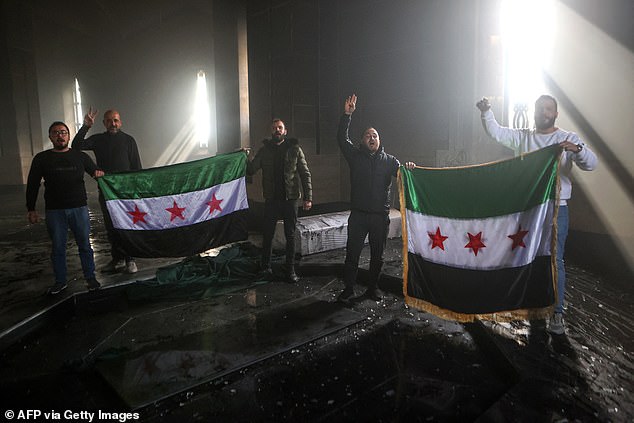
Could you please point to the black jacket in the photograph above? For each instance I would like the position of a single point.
(295, 172)
(370, 174)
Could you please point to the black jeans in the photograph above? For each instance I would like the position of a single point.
(274, 210)
(360, 224)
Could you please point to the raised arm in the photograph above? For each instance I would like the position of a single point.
(346, 146)
(79, 141)
(506, 136)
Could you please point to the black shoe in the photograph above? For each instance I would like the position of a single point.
(373, 294)
(57, 288)
(92, 284)
(266, 273)
(346, 294)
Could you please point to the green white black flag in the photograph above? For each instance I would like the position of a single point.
(179, 210)
(478, 240)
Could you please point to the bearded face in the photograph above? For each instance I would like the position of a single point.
(59, 136)
(545, 114)
(278, 131)
(371, 140)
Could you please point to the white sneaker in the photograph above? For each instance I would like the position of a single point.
(556, 324)
(130, 267)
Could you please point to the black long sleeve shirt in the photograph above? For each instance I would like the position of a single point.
(63, 174)
(114, 152)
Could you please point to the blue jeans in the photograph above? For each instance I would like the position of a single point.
(562, 234)
(57, 223)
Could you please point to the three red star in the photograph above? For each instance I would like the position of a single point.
(137, 215)
(214, 204)
(437, 239)
(475, 242)
(518, 238)
(176, 212)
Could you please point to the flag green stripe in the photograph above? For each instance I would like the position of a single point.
(174, 179)
(492, 189)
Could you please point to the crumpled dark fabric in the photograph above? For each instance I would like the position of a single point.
(235, 267)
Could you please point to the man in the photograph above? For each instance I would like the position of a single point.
(284, 169)
(575, 151)
(115, 151)
(65, 202)
(371, 172)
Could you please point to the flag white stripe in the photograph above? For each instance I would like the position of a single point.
(495, 231)
(233, 195)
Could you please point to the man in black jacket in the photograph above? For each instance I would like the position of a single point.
(115, 151)
(285, 177)
(371, 171)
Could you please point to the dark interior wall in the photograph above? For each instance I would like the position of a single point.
(62, 52)
(20, 133)
(150, 77)
(142, 58)
(227, 73)
(410, 62)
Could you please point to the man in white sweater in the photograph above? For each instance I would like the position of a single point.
(575, 151)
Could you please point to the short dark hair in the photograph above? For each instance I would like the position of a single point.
(547, 97)
(57, 123)
(278, 120)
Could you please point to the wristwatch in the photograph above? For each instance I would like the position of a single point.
(579, 148)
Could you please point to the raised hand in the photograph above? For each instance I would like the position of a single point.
(483, 104)
(89, 119)
(350, 104)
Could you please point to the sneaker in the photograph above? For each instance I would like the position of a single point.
(346, 294)
(113, 266)
(556, 324)
(92, 284)
(130, 267)
(373, 294)
(291, 276)
(57, 288)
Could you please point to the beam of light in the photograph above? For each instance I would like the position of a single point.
(527, 38)
(585, 54)
(182, 146)
(201, 112)
(79, 114)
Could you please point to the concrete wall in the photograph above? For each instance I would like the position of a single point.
(20, 132)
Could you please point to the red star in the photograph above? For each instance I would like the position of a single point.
(176, 212)
(437, 239)
(475, 243)
(214, 204)
(137, 215)
(518, 238)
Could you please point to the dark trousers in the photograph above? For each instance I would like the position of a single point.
(116, 251)
(274, 210)
(360, 225)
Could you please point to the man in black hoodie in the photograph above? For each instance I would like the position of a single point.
(371, 171)
(115, 151)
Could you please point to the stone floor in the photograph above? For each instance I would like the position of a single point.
(289, 352)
